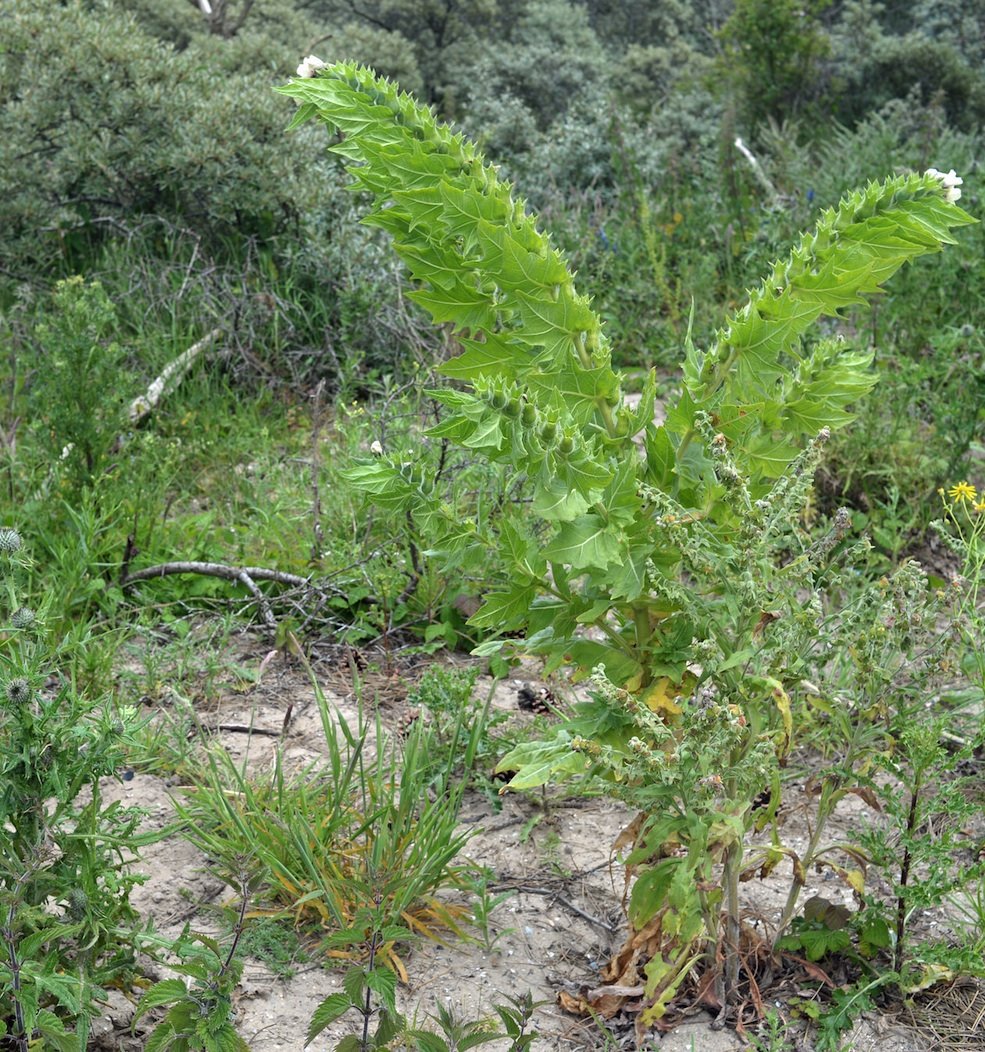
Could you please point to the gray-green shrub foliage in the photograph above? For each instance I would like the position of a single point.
(102, 124)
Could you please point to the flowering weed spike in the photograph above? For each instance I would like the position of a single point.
(753, 369)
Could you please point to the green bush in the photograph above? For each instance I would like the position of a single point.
(922, 70)
(114, 126)
(772, 57)
(76, 356)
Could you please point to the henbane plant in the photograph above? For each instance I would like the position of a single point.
(645, 553)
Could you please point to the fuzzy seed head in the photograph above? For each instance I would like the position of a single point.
(10, 541)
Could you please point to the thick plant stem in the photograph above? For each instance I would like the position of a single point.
(824, 809)
(13, 963)
(367, 1009)
(904, 879)
(733, 927)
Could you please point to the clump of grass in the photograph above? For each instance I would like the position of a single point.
(359, 845)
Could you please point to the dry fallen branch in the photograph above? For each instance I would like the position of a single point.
(552, 893)
(230, 573)
(247, 728)
(245, 575)
(143, 404)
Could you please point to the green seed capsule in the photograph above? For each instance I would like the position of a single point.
(566, 445)
(512, 408)
(528, 415)
(548, 432)
(498, 400)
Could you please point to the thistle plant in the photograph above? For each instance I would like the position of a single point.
(667, 573)
(67, 929)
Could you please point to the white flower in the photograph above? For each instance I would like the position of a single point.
(950, 181)
(310, 66)
(376, 448)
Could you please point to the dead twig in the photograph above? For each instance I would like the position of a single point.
(318, 540)
(246, 575)
(552, 893)
(173, 374)
(245, 728)
(230, 573)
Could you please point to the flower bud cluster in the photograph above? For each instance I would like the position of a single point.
(310, 66)
(950, 181)
(788, 498)
(534, 430)
(841, 524)
(586, 746)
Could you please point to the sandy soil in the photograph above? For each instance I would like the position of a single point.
(553, 935)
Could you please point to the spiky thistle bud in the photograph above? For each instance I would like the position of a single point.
(78, 904)
(10, 541)
(22, 617)
(18, 691)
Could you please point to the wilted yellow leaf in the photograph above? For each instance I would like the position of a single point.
(659, 697)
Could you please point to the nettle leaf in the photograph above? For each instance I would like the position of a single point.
(492, 357)
(584, 473)
(621, 499)
(487, 433)
(165, 992)
(333, 1007)
(523, 268)
(383, 482)
(383, 983)
(522, 548)
(466, 306)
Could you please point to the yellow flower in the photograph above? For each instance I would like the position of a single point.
(962, 491)
(979, 507)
